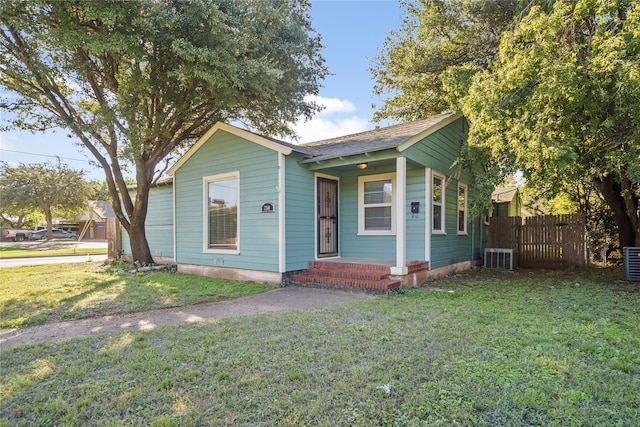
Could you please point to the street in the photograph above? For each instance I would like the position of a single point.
(56, 244)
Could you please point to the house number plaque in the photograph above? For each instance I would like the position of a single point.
(268, 208)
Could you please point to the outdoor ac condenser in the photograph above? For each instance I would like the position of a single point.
(498, 258)
(632, 263)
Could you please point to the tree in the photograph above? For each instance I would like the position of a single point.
(561, 101)
(134, 81)
(43, 187)
(435, 36)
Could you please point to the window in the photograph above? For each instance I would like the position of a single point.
(438, 190)
(376, 204)
(462, 209)
(221, 212)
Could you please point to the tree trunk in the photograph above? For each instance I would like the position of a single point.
(49, 219)
(140, 251)
(628, 235)
(132, 215)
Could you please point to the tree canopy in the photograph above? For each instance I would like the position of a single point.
(435, 36)
(44, 187)
(560, 102)
(134, 81)
(550, 88)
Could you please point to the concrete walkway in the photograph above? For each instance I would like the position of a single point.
(288, 298)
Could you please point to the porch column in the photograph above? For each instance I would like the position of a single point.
(401, 217)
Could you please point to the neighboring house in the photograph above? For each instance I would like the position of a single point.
(506, 202)
(94, 224)
(253, 208)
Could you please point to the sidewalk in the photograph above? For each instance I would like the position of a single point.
(288, 298)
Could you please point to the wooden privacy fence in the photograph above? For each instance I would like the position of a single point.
(548, 241)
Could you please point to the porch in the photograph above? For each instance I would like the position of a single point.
(373, 275)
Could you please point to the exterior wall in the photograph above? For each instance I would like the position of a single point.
(416, 222)
(258, 184)
(351, 244)
(300, 215)
(159, 224)
(501, 209)
(438, 151)
(453, 248)
(96, 230)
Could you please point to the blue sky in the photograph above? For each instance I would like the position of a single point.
(352, 31)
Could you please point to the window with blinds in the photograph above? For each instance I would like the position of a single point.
(222, 211)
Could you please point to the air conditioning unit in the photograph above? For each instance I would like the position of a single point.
(632, 263)
(498, 258)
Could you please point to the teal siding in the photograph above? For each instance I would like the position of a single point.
(353, 245)
(382, 247)
(299, 215)
(258, 238)
(159, 223)
(415, 223)
(439, 151)
(452, 247)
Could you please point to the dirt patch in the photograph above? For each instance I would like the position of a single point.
(289, 298)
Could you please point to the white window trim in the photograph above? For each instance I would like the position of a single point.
(205, 212)
(466, 212)
(443, 222)
(361, 206)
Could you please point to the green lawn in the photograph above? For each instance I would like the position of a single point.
(36, 294)
(483, 349)
(26, 252)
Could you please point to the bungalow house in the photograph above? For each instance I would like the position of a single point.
(373, 209)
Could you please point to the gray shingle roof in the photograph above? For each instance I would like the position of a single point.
(373, 140)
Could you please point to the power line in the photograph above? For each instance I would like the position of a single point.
(45, 155)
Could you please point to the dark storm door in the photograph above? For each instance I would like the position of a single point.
(327, 208)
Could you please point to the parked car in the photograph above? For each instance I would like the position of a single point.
(57, 234)
(15, 234)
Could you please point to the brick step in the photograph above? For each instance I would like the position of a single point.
(348, 266)
(384, 285)
(349, 274)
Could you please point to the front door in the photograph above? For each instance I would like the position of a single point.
(327, 209)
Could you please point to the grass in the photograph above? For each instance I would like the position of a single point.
(482, 349)
(8, 252)
(36, 294)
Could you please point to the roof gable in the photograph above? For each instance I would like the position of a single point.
(503, 195)
(271, 143)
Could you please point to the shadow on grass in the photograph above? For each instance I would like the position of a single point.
(79, 293)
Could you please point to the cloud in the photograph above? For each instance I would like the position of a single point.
(337, 119)
(332, 106)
